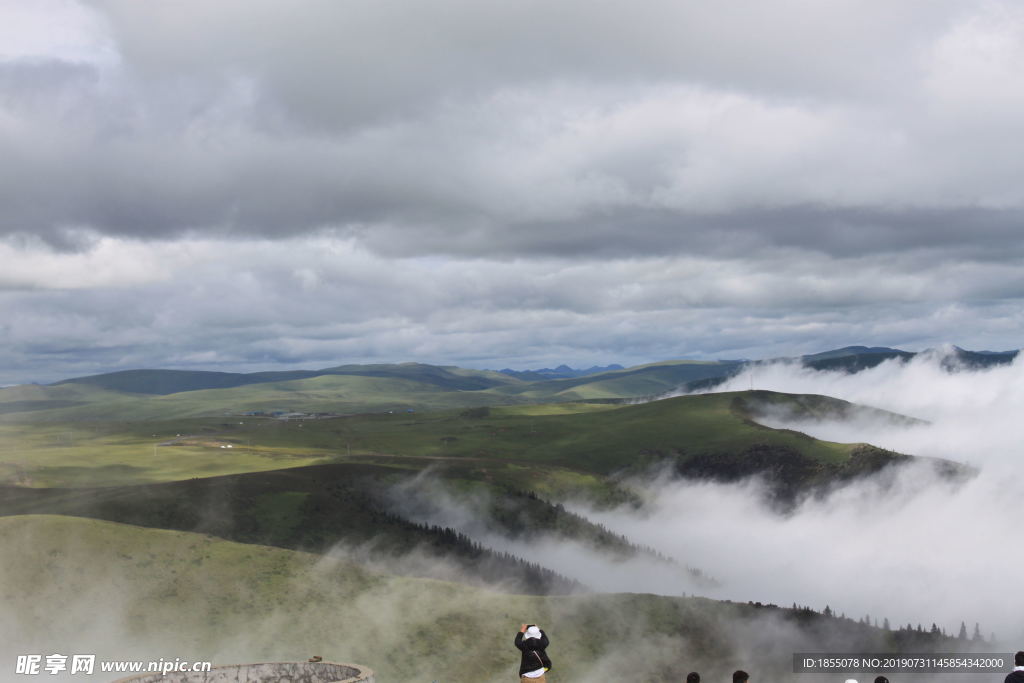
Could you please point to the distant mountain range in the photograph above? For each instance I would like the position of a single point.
(561, 372)
(401, 386)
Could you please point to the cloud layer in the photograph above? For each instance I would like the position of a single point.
(785, 173)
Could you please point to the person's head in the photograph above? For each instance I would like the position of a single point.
(740, 676)
(693, 677)
(881, 679)
(532, 631)
(1018, 659)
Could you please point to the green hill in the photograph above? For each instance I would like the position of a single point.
(445, 377)
(600, 439)
(348, 389)
(163, 382)
(550, 448)
(165, 394)
(403, 386)
(638, 381)
(336, 394)
(124, 592)
(316, 508)
(33, 398)
(156, 394)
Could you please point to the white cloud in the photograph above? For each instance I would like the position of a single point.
(106, 263)
(54, 29)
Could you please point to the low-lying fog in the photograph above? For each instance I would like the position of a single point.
(911, 547)
(919, 550)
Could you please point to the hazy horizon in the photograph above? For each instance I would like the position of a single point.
(940, 348)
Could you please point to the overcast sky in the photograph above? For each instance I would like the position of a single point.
(246, 184)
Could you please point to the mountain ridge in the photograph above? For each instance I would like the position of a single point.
(383, 387)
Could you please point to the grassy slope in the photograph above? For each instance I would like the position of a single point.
(346, 389)
(547, 448)
(124, 592)
(316, 508)
(152, 394)
(598, 439)
(34, 398)
(327, 393)
(172, 381)
(443, 376)
(163, 382)
(108, 453)
(641, 380)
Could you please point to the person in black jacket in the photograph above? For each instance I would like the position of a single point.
(1017, 675)
(532, 642)
(693, 677)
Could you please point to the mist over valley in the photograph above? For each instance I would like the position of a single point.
(774, 502)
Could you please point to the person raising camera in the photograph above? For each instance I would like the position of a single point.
(532, 642)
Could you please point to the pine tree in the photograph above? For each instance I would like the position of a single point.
(828, 613)
(977, 633)
(885, 624)
(963, 631)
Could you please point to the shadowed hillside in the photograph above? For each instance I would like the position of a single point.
(318, 508)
